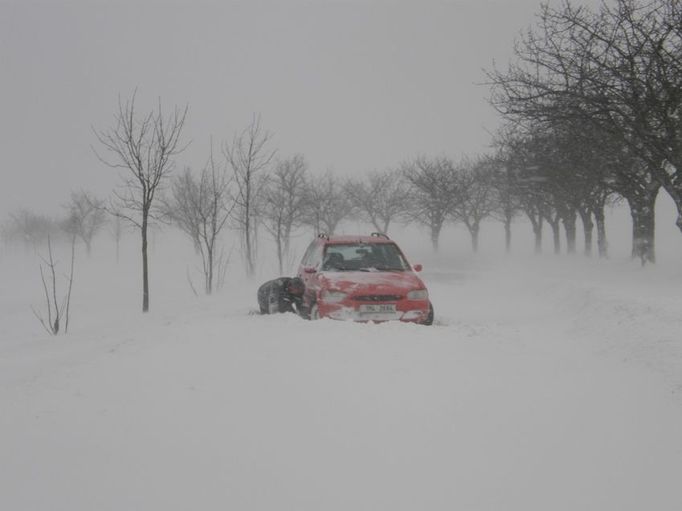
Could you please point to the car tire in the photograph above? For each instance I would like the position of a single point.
(314, 312)
(429, 319)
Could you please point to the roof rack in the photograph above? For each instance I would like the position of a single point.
(323, 235)
(380, 235)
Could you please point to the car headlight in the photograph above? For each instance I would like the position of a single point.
(418, 294)
(333, 296)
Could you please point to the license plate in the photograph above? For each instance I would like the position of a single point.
(377, 307)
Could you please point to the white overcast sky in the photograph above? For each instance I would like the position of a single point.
(353, 85)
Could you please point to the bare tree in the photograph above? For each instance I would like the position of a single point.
(560, 169)
(531, 202)
(553, 217)
(57, 308)
(506, 199)
(29, 228)
(381, 198)
(326, 203)
(434, 192)
(616, 70)
(116, 231)
(249, 157)
(86, 216)
(200, 207)
(520, 180)
(144, 147)
(284, 203)
(473, 181)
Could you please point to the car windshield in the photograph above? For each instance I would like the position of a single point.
(363, 257)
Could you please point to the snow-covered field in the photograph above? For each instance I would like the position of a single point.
(554, 384)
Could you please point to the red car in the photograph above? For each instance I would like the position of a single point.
(362, 278)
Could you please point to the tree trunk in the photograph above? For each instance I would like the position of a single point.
(507, 235)
(536, 220)
(247, 227)
(287, 238)
(280, 254)
(386, 224)
(145, 269)
(474, 238)
(642, 210)
(435, 236)
(209, 276)
(602, 242)
(674, 188)
(247, 248)
(588, 229)
(556, 235)
(537, 231)
(569, 220)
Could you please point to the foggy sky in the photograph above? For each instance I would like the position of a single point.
(352, 85)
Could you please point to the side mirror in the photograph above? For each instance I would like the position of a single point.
(417, 267)
(310, 269)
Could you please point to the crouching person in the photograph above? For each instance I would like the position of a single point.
(280, 295)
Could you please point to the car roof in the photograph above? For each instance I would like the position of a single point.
(346, 239)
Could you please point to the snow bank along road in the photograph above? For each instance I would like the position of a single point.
(544, 389)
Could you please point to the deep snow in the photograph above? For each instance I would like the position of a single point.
(550, 385)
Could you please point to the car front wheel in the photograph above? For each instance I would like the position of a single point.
(429, 319)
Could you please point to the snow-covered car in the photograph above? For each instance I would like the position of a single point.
(362, 278)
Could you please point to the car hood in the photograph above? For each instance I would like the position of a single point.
(372, 282)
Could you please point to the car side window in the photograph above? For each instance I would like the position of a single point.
(315, 258)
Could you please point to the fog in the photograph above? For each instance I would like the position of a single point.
(352, 85)
(545, 381)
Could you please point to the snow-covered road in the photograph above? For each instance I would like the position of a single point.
(538, 389)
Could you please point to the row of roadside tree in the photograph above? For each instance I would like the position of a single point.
(246, 188)
(592, 102)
